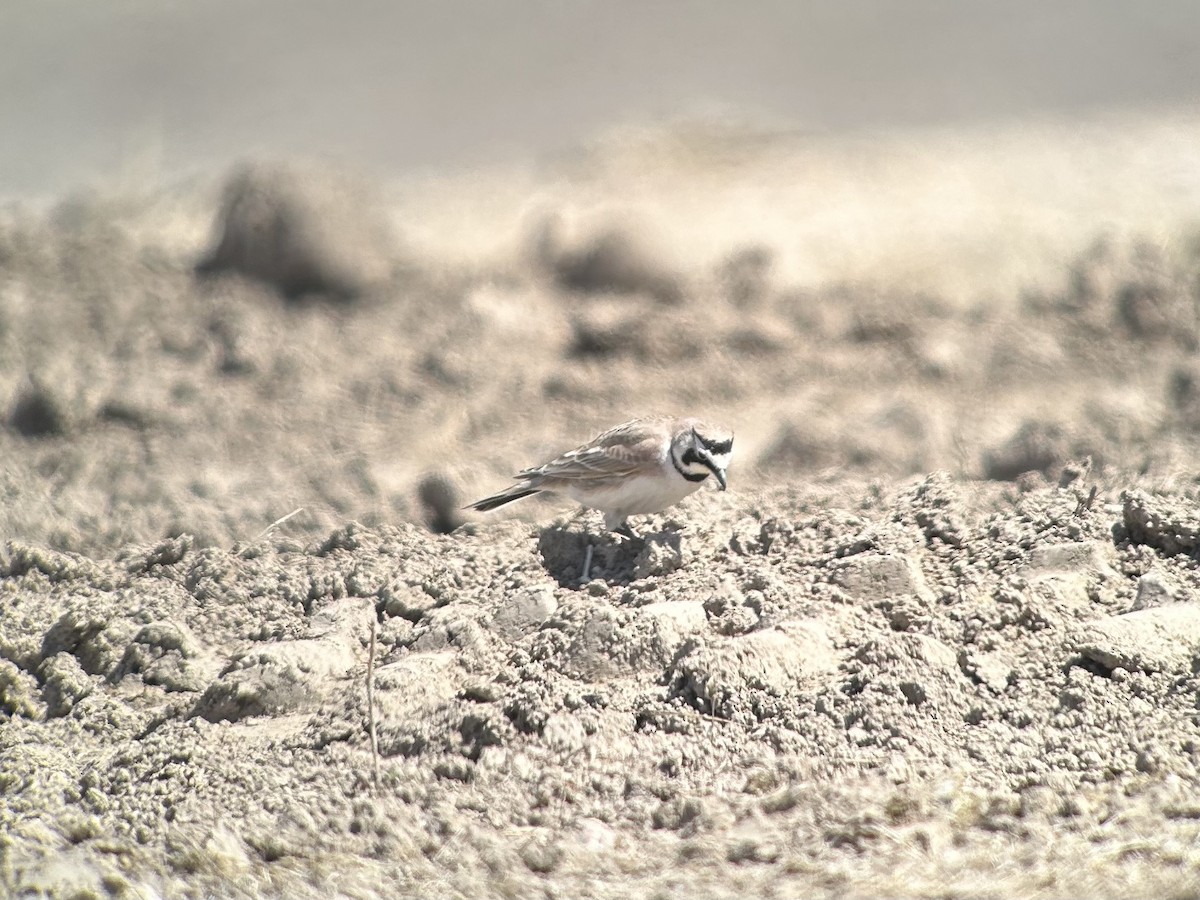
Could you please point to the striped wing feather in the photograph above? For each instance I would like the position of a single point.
(618, 452)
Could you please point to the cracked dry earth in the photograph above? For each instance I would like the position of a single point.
(917, 688)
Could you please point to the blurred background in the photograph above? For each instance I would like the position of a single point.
(365, 259)
(91, 90)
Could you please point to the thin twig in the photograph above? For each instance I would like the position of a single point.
(371, 703)
(277, 523)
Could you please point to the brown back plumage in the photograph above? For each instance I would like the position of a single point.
(618, 452)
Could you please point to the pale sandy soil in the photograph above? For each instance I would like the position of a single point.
(923, 647)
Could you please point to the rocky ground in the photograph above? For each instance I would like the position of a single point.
(939, 639)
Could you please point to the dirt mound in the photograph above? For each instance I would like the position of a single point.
(305, 232)
(187, 719)
(618, 256)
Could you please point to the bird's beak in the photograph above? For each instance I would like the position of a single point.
(715, 469)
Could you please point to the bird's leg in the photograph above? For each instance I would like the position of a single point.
(587, 563)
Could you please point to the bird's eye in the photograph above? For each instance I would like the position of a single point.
(689, 457)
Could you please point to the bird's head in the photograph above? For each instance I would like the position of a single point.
(700, 450)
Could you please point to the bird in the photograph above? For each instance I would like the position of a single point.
(639, 467)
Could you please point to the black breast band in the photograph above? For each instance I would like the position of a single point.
(698, 476)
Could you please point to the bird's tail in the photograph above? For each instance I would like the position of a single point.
(508, 495)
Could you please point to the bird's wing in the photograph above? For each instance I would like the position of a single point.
(623, 451)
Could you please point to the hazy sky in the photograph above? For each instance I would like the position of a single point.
(89, 88)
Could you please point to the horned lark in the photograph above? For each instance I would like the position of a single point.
(641, 467)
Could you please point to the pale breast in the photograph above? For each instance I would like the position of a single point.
(634, 496)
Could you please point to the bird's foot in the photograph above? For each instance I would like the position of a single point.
(625, 531)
